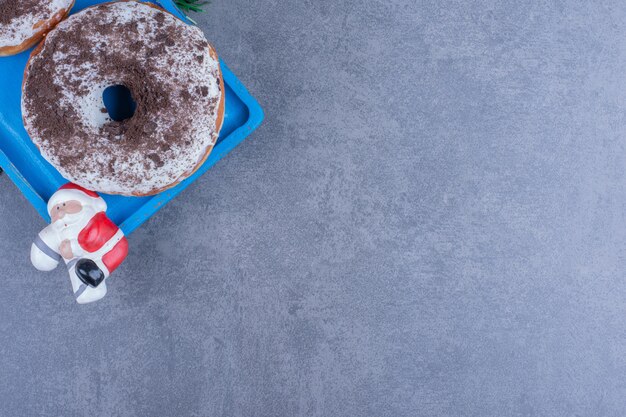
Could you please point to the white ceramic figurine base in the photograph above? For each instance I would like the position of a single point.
(81, 234)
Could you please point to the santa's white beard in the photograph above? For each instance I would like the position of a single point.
(71, 224)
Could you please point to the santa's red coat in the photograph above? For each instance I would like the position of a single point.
(96, 234)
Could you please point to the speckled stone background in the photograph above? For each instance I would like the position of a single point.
(430, 222)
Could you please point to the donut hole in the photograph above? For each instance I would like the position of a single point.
(119, 102)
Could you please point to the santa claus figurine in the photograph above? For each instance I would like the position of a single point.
(81, 234)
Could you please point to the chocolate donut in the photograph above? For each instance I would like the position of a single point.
(174, 78)
(24, 22)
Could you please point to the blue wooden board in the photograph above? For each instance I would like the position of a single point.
(38, 180)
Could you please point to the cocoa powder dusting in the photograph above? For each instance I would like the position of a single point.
(10, 9)
(132, 72)
(58, 121)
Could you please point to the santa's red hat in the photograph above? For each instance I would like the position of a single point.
(72, 191)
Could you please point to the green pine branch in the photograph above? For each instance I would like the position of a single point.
(191, 5)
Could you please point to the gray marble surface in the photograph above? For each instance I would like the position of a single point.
(430, 222)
